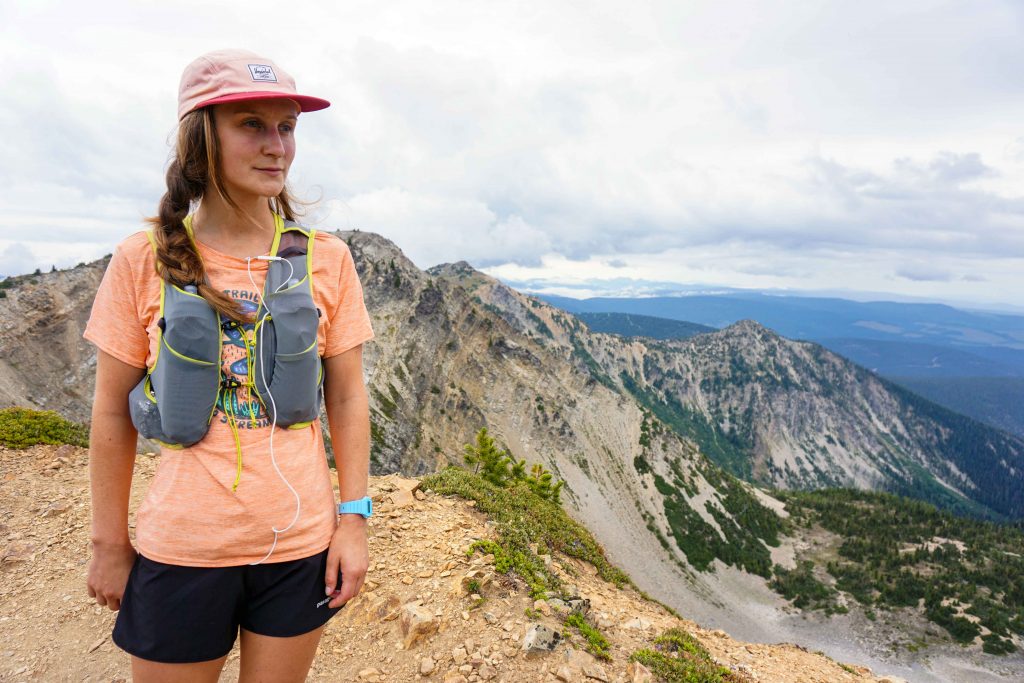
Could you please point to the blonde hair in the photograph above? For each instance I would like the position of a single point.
(191, 174)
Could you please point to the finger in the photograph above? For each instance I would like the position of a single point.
(351, 583)
(101, 599)
(331, 573)
(92, 592)
(114, 605)
(339, 598)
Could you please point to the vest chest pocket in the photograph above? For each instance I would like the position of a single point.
(294, 386)
(184, 381)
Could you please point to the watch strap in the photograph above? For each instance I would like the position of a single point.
(363, 506)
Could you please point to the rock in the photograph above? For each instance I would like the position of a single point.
(419, 495)
(453, 676)
(369, 674)
(578, 604)
(540, 638)
(427, 666)
(564, 673)
(96, 645)
(638, 623)
(416, 624)
(638, 673)
(558, 605)
(402, 498)
(595, 671)
(543, 607)
(55, 508)
(18, 551)
(487, 672)
(459, 655)
(389, 609)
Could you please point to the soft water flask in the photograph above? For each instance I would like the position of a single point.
(191, 289)
(291, 283)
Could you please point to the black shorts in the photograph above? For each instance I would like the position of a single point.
(176, 614)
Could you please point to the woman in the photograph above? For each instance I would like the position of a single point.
(193, 320)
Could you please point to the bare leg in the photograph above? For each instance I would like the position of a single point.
(145, 671)
(266, 659)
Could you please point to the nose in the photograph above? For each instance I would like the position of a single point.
(273, 143)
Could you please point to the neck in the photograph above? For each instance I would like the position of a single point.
(216, 221)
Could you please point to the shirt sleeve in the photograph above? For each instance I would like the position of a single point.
(114, 324)
(350, 322)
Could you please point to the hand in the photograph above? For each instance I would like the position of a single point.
(349, 554)
(108, 572)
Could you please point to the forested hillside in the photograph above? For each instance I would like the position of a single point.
(965, 575)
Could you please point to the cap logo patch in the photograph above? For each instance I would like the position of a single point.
(263, 73)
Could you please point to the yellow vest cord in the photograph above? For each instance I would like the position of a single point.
(230, 413)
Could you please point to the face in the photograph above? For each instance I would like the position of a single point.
(257, 146)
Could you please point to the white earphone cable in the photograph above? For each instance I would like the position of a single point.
(273, 407)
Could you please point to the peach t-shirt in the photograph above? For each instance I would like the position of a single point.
(190, 516)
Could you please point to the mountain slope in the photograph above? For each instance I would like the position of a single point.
(52, 630)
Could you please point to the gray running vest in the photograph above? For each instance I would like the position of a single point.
(175, 402)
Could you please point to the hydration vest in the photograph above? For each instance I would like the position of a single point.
(175, 402)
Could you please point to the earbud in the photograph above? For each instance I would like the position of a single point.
(270, 258)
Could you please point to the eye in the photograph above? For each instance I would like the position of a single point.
(252, 123)
(287, 128)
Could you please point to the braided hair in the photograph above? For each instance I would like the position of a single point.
(193, 171)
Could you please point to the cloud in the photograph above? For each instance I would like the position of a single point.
(774, 140)
(17, 259)
(923, 273)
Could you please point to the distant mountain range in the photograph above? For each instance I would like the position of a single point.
(969, 362)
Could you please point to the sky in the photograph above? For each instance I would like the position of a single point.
(583, 148)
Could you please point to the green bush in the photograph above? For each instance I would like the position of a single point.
(597, 644)
(24, 427)
(522, 518)
(678, 657)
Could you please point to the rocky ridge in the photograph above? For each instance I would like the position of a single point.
(414, 621)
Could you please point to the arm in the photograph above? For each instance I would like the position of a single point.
(111, 461)
(348, 416)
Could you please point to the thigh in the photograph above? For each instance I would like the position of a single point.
(146, 671)
(266, 659)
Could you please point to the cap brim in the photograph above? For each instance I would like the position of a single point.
(305, 102)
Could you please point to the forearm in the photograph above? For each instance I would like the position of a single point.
(349, 421)
(111, 462)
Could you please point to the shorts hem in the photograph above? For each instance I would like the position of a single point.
(327, 616)
(167, 660)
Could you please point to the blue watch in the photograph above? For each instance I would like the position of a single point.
(363, 506)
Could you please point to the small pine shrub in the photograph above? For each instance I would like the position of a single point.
(678, 657)
(24, 427)
(597, 644)
(524, 518)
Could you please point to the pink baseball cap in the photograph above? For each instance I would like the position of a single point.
(234, 75)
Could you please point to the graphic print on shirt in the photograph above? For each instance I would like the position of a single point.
(241, 402)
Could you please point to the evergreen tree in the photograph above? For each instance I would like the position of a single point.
(487, 460)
